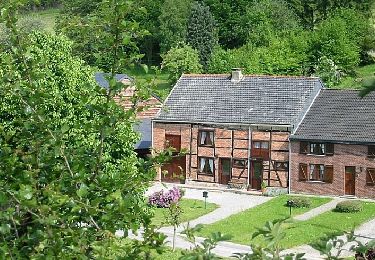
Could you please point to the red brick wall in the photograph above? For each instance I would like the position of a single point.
(228, 144)
(344, 155)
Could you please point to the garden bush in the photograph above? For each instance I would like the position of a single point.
(164, 199)
(300, 202)
(349, 206)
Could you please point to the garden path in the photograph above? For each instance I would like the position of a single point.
(319, 210)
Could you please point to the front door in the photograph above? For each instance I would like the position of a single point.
(175, 169)
(225, 170)
(256, 175)
(350, 180)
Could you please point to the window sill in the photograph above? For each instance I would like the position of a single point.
(322, 182)
(204, 173)
(206, 145)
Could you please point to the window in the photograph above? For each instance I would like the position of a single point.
(370, 177)
(206, 165)
(239, 163)
(316, 172)
(206, 138)
(173, 141)
(316, 148)
(283, 166)
(260, 149)
(371, 151)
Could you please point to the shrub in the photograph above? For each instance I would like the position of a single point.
(349, 206)
(164, 199)
(300, 202)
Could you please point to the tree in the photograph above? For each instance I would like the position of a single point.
(173, 23)
(201, 32)
(69, 177)
(331, 39)
(180, 60)
(267, 18)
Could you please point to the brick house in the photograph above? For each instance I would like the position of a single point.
(235, 128)
(333, 149)
(146, 110)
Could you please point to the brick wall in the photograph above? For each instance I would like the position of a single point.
(233, 144)
(344, 155)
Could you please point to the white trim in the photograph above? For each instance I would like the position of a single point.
(218, 124)
(290, 167)
(308, 109)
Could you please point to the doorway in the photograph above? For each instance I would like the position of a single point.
(349, 180)
(225, 171)
(256, 174)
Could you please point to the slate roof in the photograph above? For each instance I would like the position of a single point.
(103, 82)
(144, 128)
(339, 116)
(253, 100)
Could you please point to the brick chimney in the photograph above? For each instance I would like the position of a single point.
(237, 75)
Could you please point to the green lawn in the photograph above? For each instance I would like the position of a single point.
(241, 226)
(192, 209)
(355, 81)
(163, 87)
(331, 222)
(47, 17)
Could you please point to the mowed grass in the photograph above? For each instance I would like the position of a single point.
(192, 209)
(47, 17)
(241, 226)
(310, 231)
(354, 82)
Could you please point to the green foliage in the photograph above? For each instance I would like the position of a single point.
(201, 31)
(328, 71)
(69, 177)
(92, 33)
(180, 60)
(174, 15)
(203, 250)
(267, 18)
(173, 217)
(332, 41)
(300, 202)
(368, 86)
(281, 57)
(349, 206)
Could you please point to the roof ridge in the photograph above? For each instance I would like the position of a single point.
(248, 75)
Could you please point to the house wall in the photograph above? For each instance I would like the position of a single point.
(344, 155)
(228, 143)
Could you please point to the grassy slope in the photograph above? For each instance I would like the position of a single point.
(241, 226)
(48, 17)
(355, 82)
(192, 209)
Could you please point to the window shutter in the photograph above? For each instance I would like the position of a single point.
(302, 172)
(328, 174)
(330, 149)
(370, 177)
(303, 147)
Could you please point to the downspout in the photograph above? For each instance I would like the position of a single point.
(249, 157)
(289, 166)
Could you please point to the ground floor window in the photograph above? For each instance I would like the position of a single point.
(370, 177)
(316, 172)
(206, 165)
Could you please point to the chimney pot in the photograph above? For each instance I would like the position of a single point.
(236, 75)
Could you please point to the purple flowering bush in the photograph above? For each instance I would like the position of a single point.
(164, 199)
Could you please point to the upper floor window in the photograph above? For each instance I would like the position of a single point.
(206, 165)
(173, 141)
(316, 148)
(371, 151)
(316, 172)
(260, 149)
(370, 177)
(206, 138)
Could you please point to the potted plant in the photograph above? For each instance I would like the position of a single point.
(263, 187)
